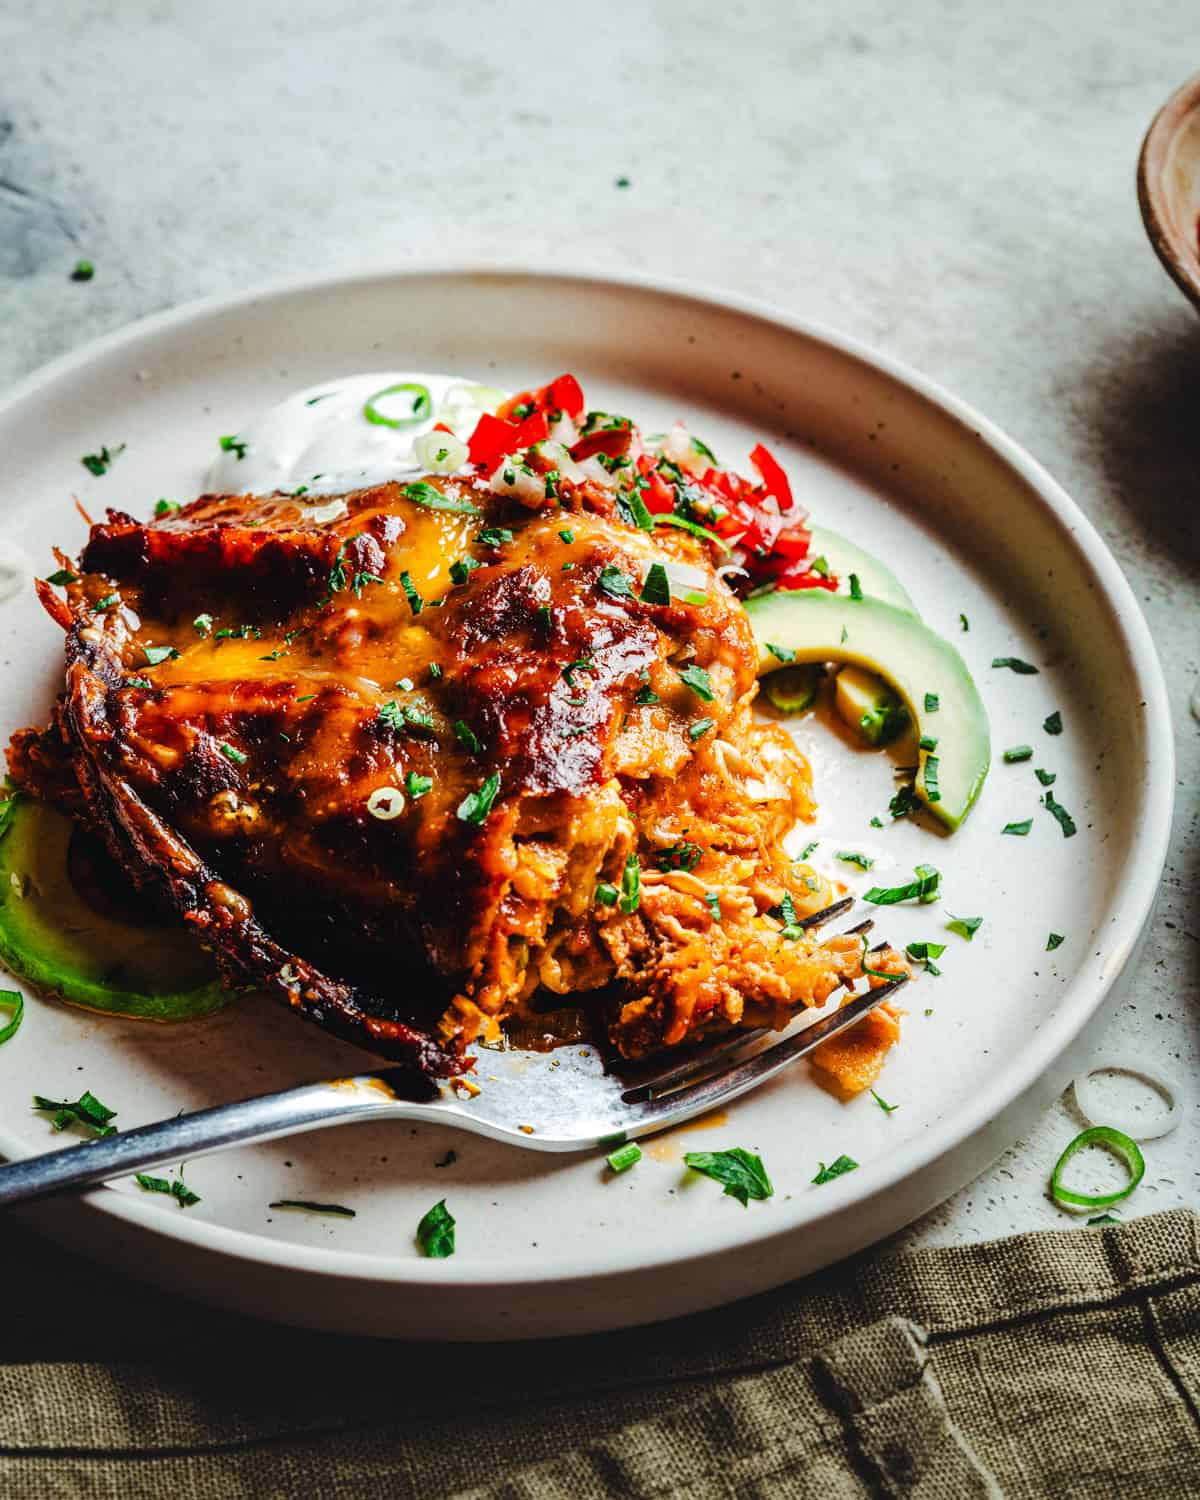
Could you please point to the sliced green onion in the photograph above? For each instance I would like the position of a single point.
(606, 894)
(1019, 829)
(924, 889)
(628, 1156)
(231, 752)
(1053, 724)
(932, 791)
(13, 1002)
(415, 602)
(176, 1189)
(1015, 664)
(466, 736)
(1122, 1146)
(928, 742)
(856, 592)
(1047, 778)
(700, 728)
(416, 785)
(965, 926)
(932, 701)
(86, 1110)
(422, 405)
(63, 577)
(1018, 753)
(631, 885)
(1055, 940)
(781, 653)
(887, 1108)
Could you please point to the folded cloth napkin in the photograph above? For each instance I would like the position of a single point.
(1061, 1364)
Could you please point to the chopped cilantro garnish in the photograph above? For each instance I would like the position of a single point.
(820, 565)
(1015, 664)
(876, 822)
(233, 444)
(856, 592)
(1053, 725)
(681, 856)
(494, 536)
(581, 664)
(631, 885)
(1065, 820)
(697, 679)
(700, 728)
(86, 1110)
(63, 576)
(739, 1172)
(567, 536)
(138, 682)
(932, 701)
(642, 518)
(435, 670)
(845, 635)
(414, 717)
(552, 478)
(964, 622)
(416, 785)
(965, 926)
(616, 583)
(462, 569)
(657, 586)
(337, 1210)
(466, 736)
(231, 752)
(415, 602)
(202, 624)
(157, 654)
(100, 463)
(887, 1108)
(628, 1156)
(806, 852)
(1020, 829)
(1018, 753)
(361, 580)
(712, 899)
(851, 857)
(925, 953)
(475, 806)
(177, 1188)
(1055, 940)
(781, 653)
(435, 1232)
(837, 1168)
(165, 507)
(1047, 778)
(106, 603)
(785, 912)
(432, 498)
(606, 894)
(84, 271)
(924, 889)
(904, 801)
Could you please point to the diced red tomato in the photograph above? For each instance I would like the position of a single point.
(563, 394)
(793, 542)
(494, 439)
(613, 441)
(774, 478)
(800, 576)
(659, 496)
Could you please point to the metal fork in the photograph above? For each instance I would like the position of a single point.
(565, 1101)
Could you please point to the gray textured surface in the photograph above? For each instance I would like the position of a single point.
(953, 185)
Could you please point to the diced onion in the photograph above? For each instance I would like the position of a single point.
(334, 511)
(385, 803)
(593, 469)
(462, 406)
(1095, 1109)
(527, 487)
(440, 452)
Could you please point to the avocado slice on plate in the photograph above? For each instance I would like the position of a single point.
(845, 558)
(815, 625)
(71, 926)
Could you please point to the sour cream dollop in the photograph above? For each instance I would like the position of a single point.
(347, 433)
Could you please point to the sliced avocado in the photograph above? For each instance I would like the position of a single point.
(844, 558)
(819, 626)
(868, 705)
(793, 689)
(95, 952)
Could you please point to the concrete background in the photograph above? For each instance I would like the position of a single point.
(953, 184)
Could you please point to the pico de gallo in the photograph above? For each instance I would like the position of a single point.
(670, 478)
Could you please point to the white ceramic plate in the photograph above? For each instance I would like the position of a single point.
(552, 1245)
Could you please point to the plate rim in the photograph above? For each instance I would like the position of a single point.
(1079, 1001)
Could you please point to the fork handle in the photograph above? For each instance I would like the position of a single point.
(291, 1112)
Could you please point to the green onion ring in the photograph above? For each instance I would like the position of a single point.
(422, 406)
(1120, 1145)
(14, 1001)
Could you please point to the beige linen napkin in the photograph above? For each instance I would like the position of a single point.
(1063, 1363)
